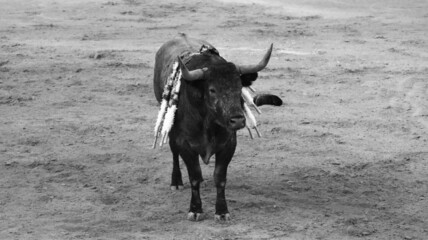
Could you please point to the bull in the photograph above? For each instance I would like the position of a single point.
(209, 113)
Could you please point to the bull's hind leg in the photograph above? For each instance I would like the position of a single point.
(191, 160)
(176, 179)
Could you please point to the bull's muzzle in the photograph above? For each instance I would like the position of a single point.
(237, 122)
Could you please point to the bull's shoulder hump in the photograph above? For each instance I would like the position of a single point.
(185, 44)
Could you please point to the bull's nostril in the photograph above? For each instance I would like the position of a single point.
(237, 122)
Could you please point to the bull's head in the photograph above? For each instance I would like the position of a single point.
(222, 89)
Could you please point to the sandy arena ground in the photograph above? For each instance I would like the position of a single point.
(345, 157)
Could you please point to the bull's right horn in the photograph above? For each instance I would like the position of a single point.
(191, 75)
(255, 68)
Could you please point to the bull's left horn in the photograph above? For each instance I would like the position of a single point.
(255, 68)
(190, 75)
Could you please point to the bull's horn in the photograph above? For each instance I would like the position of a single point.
(191, 75)
(255, 68)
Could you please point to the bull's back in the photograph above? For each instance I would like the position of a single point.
(167, 55)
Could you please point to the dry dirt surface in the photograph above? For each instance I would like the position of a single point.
(345, 157)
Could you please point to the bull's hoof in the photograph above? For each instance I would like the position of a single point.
(191, 216)
(222, 217)
(179, 187)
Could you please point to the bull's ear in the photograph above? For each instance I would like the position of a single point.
(248, 78)
(267, 99)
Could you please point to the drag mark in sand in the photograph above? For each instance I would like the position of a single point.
(415, 96)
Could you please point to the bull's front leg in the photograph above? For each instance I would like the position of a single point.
(191, 160)
(223, 159)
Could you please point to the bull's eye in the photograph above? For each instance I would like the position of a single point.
(212, 91)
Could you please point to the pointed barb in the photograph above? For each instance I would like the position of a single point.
(257, 131)
(154, 143)
(162, 140)
(251, 134)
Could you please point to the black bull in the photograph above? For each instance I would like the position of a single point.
(209, 112)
